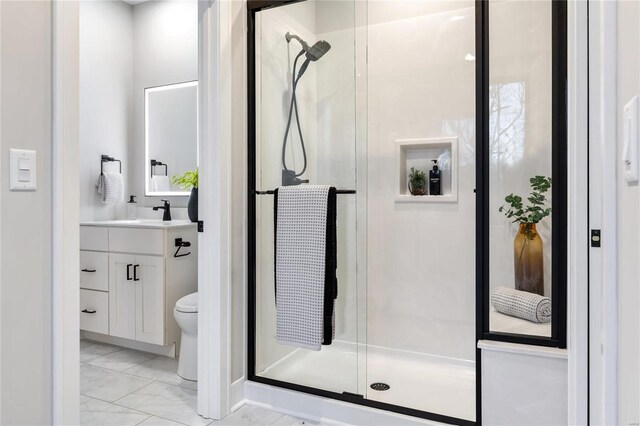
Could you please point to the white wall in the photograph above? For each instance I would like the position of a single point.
(106, 83)
(25, 220)
(165, 51)
(522, 387)
(421, 257)
(628, 226)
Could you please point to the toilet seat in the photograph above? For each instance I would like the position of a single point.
(188, 303)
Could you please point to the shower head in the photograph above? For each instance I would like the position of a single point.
(314, 52)
(318, 50)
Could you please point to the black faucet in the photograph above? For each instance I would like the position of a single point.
(167, 210)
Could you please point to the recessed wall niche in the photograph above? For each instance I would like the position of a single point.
(419, 153)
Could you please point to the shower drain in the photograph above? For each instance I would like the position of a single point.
(380, 386)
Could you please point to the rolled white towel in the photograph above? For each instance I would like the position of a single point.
(521, 304)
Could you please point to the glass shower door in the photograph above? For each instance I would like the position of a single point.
(307, 137)
(421, 248)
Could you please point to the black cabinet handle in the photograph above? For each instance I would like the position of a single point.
(135, 273)
(87, 311)
(129, 271)
(88, 270)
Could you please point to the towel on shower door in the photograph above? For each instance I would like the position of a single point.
(305, 265)
(111, 187)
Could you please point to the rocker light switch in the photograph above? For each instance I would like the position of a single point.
(22, 170)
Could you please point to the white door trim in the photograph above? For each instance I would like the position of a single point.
(214, 254)
(578, 238)
(603, 318)
(65, 213)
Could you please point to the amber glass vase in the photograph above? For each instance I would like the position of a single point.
(528, 260)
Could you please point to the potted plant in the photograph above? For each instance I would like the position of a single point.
(527, 245)
(189, 181)
(417, 182)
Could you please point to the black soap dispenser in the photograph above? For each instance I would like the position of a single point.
(434, 179)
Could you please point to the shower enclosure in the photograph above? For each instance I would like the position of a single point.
(365, 96)
(389, 88)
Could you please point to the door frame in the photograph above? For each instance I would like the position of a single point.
(214, 22)
(603, 274)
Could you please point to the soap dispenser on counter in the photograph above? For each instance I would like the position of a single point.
(132, 208)
(434, 179)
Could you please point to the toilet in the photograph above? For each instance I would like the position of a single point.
(186, 315)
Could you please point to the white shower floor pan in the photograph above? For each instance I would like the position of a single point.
(424, 382)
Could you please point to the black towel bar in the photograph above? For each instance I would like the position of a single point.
(338, 191)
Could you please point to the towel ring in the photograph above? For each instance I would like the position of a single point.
(107, 159)
(155, 163)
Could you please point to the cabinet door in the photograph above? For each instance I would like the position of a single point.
(150, 299)
(122, 296)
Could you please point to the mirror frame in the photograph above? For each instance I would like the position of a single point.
(147, 159)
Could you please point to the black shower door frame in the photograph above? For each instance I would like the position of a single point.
(559, 162)
(253, 7)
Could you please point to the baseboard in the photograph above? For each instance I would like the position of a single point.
(169, 351)
(236, 396)
(321, 409)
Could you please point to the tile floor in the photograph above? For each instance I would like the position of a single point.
(123, 387)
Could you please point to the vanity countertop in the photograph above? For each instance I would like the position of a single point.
(141, 223)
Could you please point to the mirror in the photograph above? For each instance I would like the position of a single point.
(171, 135)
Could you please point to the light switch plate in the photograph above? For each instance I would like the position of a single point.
(22, 170)
(631, 140)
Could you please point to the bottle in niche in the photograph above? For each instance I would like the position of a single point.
(132, 207)
(434, 179)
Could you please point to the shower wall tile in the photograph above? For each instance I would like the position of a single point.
(421, 257)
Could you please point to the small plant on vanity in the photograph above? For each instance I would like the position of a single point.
(527, 245)
(417, 182)
(189, 181)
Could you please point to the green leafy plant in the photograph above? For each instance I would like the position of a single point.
(537, 208)
(186, 181)
(417, 182)
(417, 178)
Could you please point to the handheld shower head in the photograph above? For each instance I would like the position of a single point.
(318, 50)
(314, 52)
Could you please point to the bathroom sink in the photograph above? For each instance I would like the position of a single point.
(140, 223)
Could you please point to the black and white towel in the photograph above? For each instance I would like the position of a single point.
(305, 265)
(521, 304)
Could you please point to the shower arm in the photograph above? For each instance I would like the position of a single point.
(304, 44)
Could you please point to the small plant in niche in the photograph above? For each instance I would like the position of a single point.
(417, 182)
(189, 181)
(186, 181)
(527, 245)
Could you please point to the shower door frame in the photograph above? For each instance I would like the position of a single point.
(253, 7)
(559, 174)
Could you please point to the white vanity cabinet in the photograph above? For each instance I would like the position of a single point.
(131, 278)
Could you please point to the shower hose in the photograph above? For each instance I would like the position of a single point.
(293, 107)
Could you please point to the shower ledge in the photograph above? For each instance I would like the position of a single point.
(517, 348)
